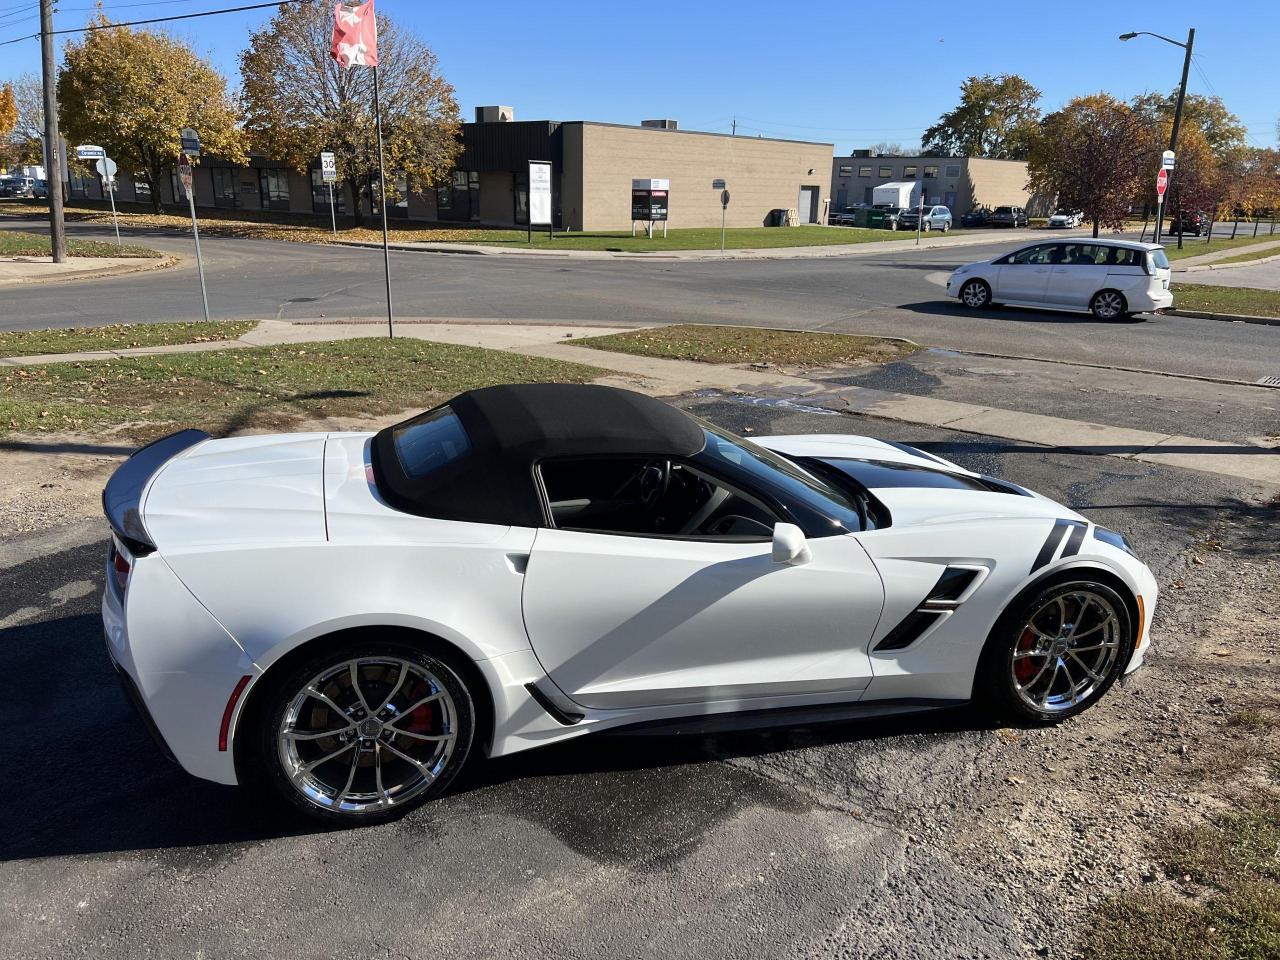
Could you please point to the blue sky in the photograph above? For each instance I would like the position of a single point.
(835, 72)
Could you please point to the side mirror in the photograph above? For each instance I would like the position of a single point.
(789, 545)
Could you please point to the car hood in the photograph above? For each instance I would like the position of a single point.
(239, 490)
(917, 487)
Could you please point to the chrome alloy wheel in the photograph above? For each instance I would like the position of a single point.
(1066, 650)
(1108, 305)
(367, 734)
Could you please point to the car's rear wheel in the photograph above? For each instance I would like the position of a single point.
(365, 734)
(945, 227)
(975, 294)
(1108, 305)
(1056, 653)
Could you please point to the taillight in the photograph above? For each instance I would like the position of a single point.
(120, 569)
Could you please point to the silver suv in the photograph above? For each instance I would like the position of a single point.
(934, 218)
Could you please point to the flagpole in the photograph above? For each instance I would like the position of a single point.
(382, 202)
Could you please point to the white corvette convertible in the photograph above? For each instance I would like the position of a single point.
(343, 618)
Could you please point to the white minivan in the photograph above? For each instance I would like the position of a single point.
(1108, 278)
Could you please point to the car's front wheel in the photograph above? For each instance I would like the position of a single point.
(365, 733)
(1056, 653)
(975, 294)
(1108, 305)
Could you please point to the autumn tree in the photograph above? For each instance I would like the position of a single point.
(996, 117)
(298, 101)
(1222, 129)
(24, 143)
(132, 92)
(886, 149)
(1093, 154)
(8, 118)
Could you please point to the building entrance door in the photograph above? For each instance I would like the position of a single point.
(807, 206)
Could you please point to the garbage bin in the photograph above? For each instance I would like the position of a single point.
(777, 218)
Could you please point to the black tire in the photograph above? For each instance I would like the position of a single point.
(997, 684)
(267, 765)
(1109, 305)
(975, 294)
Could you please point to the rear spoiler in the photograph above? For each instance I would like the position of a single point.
(122, 496)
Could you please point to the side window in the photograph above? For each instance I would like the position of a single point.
(1083, 254)
(649, 497)
(1043, 253)
(1124, 257)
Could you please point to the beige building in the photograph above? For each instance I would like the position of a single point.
(959, 183)
(592, 165)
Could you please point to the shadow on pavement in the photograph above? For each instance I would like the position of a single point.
(947, 308)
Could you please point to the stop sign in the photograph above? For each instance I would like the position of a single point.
(1162, 183)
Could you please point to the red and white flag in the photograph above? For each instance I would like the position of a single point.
(355, 35)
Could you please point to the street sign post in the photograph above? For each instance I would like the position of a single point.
(185, 176)
(1162, 183)
(107, 171)
(329, 173)
(90, 151)
(190, 142)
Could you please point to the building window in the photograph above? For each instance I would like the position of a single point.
(886, 172)
(141, 191)
(953, 170)
(865, 170)
(224, 187)
(930, 172)
(909, 171)
(320, 194)
(400, 206)
(846, 170)
(275, 189)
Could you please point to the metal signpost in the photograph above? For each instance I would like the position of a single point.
(107, 170)
(329, 173)
(184, 176)
(720, 185)
(540, 197)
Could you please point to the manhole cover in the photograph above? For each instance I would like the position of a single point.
(1270, 381)
(302, 300)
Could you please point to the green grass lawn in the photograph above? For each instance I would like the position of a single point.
(271, 387)
(120, 336)
(1241, 300)
(1197, 246)
(16, 243)
(714, 344)
(695, 238)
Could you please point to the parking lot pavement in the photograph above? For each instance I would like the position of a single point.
(932, 837)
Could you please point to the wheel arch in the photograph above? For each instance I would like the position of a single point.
(1098, 571)
(256, 695)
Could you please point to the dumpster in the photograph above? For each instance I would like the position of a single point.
(868, 217)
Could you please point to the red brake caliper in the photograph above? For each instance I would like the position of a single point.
(1024, 668)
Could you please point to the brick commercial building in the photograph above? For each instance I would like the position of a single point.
(593, 165)
(959, 183)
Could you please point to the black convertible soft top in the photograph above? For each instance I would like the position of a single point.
(487, 476)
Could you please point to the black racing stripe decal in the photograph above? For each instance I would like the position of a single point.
(1051, 542)
(1074, 541)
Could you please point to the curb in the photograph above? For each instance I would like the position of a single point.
(1197, 267)
(1226, 317)
(91, 273)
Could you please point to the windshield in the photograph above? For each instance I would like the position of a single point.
(783, 478)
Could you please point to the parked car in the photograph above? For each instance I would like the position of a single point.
(40, 190)
(842, 218)
(1194, 223)
(932, 218)
(1109, 278)
(1066, 218)
(977, 217)
(891, 217)
(17, 187)
(1008, 217)
(339, 620)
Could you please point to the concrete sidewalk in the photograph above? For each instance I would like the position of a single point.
(906, 242)
(664, 377)
(19, 271)
(1209, 261)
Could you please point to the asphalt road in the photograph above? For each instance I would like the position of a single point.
(855, 840)
(895, 293)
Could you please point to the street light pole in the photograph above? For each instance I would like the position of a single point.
(52, 142)
(1177, 110)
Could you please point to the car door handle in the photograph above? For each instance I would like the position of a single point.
(517, 563)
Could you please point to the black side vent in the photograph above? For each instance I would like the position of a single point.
(909, 630)
(951, 586)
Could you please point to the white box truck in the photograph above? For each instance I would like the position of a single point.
(900, 193)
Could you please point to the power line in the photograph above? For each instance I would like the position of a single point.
(138, 23)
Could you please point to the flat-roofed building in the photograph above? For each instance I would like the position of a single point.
(960, 183)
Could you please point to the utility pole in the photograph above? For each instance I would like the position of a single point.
(734, 132)
(1177, 122)
(52, 141)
